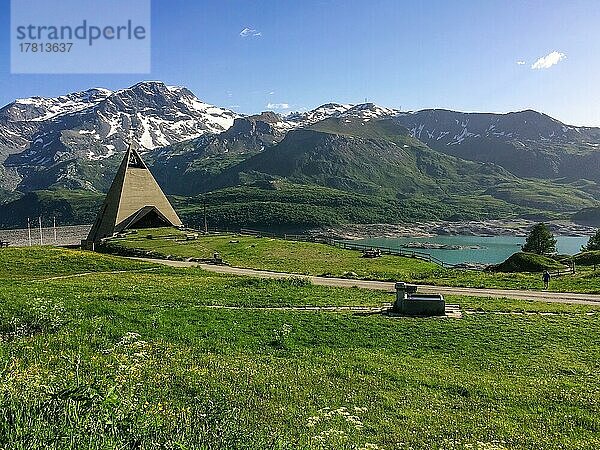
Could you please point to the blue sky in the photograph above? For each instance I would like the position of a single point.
(460, 55)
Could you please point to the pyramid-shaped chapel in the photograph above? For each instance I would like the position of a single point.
(134, 200)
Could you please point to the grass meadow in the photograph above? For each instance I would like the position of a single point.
(136, 356)
(309, 258)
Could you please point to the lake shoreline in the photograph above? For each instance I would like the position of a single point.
(516, 228)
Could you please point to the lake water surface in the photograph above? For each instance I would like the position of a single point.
(493, 249)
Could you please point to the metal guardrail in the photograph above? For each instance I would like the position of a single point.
(391, 251)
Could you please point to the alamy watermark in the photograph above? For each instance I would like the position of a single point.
(80, 36)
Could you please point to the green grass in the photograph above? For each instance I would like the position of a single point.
(546, 195)
(43, 262)
(320, 259)
(591, 258)
(528, 262)
(138, 360)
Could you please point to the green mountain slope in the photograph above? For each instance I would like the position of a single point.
(380, 158)
(376, 157)
(587, 216)
(527, 143)
(70, 207)
(340, 170)
(280, 205)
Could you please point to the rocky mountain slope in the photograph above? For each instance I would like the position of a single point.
(188, 168)
(447, 162)
(527, 143)
(70, 141)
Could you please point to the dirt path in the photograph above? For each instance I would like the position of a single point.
(555, 297)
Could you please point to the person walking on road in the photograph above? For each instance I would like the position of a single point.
(546, 279)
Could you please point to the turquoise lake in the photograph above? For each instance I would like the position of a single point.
(494, 249)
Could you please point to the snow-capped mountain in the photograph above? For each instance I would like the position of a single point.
(38, 109)
(299, 119)
(188, 167)
(91, 126)
(76, 140)
(368, 111)
(452, 128)
(527, 143)
(22, 120)
(364, 111)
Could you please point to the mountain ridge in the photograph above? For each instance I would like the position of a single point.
(526, 159)
(35, 136)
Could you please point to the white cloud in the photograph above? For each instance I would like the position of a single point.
(272, 92)
(545, 62)
(521, 63)
(250, 32)
(278, 106)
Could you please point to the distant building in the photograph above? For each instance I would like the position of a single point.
(134, 200)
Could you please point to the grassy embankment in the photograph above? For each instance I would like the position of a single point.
(137, 359)
(320, 259)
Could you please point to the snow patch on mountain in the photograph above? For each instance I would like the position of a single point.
(93, 125)
(363, 111)
(38, 109)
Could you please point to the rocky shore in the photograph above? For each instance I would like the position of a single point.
(436, 246)
(514, 227)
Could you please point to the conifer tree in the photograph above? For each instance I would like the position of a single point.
(540, 240)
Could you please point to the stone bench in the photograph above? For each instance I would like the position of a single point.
(409, 303)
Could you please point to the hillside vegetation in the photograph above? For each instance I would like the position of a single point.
(588, 216)
(70, 207)
(334, 172)
(279, 205)
(276, 205)
(591, 258)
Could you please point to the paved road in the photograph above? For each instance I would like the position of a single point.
(557, 297)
